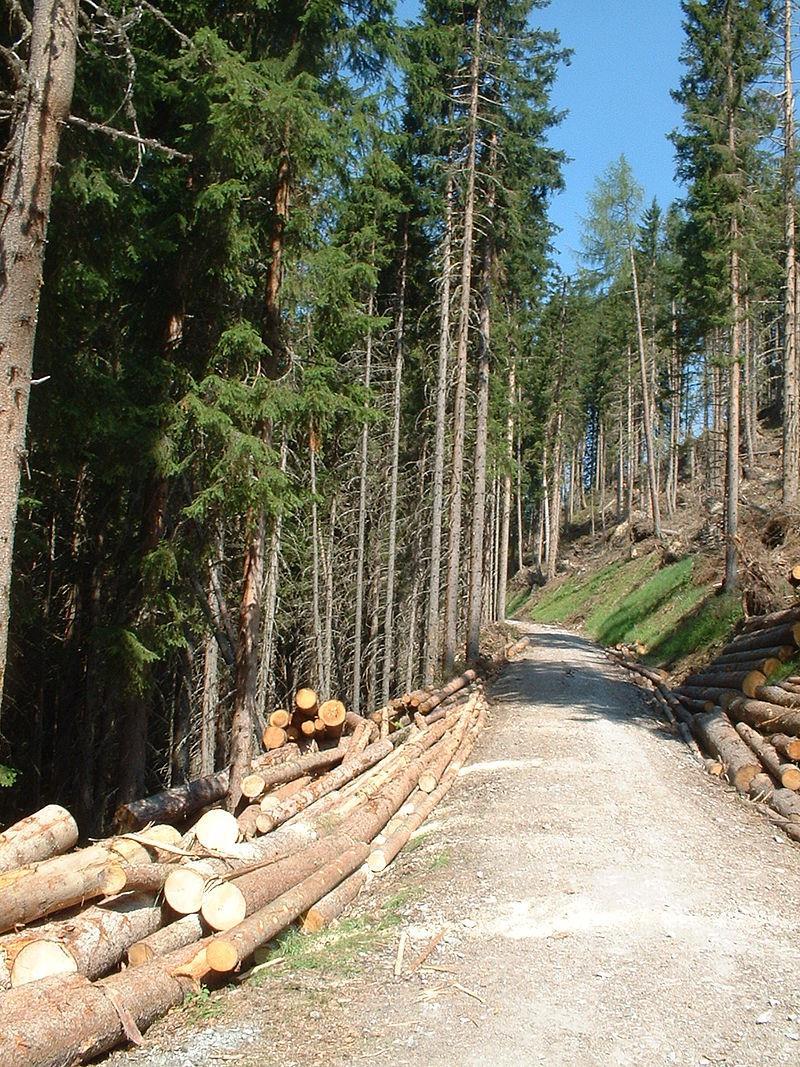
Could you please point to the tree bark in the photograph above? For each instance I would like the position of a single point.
(358, 621)
(652, 481)
(32, 156)
(791, 355)
(459, 403)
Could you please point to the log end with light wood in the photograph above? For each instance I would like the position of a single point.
(332, 712)
(306, 702)
(252, 785)
(224, 906)
(274, 737)
(41, 959)
(216, 830)
(280, 718)
(184, 889)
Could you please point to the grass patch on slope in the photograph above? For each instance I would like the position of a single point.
(637, 601)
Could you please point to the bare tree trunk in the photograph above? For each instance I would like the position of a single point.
(358, 623)
(749, 385)
(270, 601)
(655, 510)
(505, 511)
(437, 505)
(555, 507)
(246, 667)
(791, 354)
(732, 467)
(546, 509)
(459, 403)
(327, 650)
(481, 424)
(391, 562)
(45, 90)
(520, 527)
(316, 607)
(631, 445)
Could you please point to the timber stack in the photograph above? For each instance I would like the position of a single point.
(97, 942)
(741, 722)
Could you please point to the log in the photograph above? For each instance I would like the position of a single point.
(782, 652)
(786, 634)
(446, 691)
(216, 830)
(178, 934)
(769, 718)
(718, 697)
(280, 718)
(184, 888)
(787, 803)
(768, 622)
(307, 728)
(775, 694)
(763, 665)
(334, 779)
(715, 731)
(247, 821)
(31, 893)
(273, 737)
(147, 877)
(46, 833)
(352, 721)
(745, 681)
(787, 746)
(282, 792)
(794, 575)
(761, 788)
(278, 756)
(333, 713)
(91, 943)
(786, 773)
(252, 785)
(173, 805)
(422, 804)
(224, 905)
(305, 700)
(225, 952)
(331, 906)
(517, 647)
(309, 763)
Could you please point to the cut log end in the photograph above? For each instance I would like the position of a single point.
(280, 718)
(223, 906)
(41, 959)
(305, 700)
(221, 956)
(274, 737)
(184, 889)
(217, 830)
(252, 785)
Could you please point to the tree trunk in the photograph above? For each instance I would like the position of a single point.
(474, 606)
(459, 403)
(505, 511)
(31, 156)
(37, 837)
(246, 668)
(437, 504)
(652, 481)
(791, 355)
(358, 623)
(391, 559)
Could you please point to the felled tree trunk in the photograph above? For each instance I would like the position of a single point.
(786, 773)
(91, 943)
(38, 837)
(173, 805)
(715, 732)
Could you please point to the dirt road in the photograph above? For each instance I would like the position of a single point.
(603, 902)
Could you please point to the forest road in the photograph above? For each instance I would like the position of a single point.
(604, 902)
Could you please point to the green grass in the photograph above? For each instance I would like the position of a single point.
(336, 949)
(637, 601)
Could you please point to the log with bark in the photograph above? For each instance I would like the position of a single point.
(766, 717)
(331, 906)
(91, 943)
(785, 634)
(446, 691)
(768, 622)
(786, 745)
(715, 732)
(306, 701)
(173, 805)
(30, 893)
(48, 832)
(786, 773)
(780, 652)
(745, 681)
(776, 694)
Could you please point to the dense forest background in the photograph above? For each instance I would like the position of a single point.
(307, 385)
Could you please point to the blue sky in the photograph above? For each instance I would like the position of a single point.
(617, 93)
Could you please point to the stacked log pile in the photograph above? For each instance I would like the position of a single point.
(747, 726)
(97, 942)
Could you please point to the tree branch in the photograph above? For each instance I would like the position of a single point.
(122, 135)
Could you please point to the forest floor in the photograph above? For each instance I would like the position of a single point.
(602, 902)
